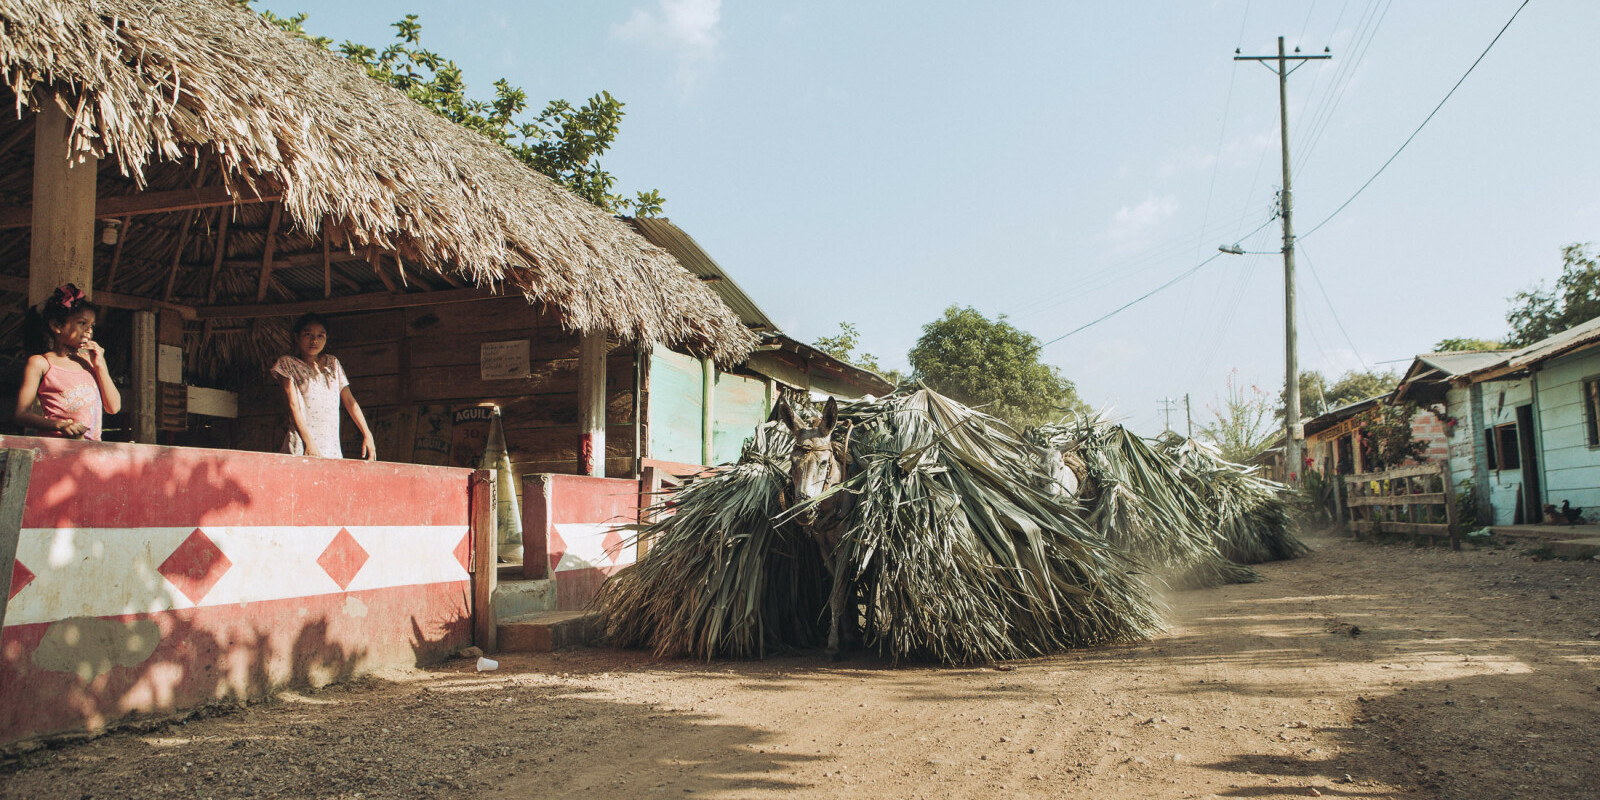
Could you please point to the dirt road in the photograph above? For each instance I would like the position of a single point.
(1362, 671)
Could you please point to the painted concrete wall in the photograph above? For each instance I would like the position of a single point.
(579, 525)
(1462, 438)
(1571, 468)
(677, 391)
(153, 579)
(1500, 402)
(741, 405)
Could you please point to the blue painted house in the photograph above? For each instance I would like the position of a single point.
(1537, 412)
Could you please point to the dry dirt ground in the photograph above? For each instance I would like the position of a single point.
(1362, 671)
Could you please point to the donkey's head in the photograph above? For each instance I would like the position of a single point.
(813, 466)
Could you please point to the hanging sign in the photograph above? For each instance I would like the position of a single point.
(499, 361)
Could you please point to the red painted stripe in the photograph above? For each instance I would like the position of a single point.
(115, 485)
(218, 652)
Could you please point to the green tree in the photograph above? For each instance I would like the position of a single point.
(991, 364)
(1464, 343)
(1244, 424)
(1318, 396)
(843, 347)
(562, 142)
(1539, 313)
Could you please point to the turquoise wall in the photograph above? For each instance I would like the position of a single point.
(1571, 467)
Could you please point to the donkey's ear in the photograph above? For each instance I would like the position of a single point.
(785, 415)
(830, 416)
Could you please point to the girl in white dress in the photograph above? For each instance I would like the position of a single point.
(315, 386)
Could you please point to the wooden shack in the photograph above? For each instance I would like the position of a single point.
(205, 202)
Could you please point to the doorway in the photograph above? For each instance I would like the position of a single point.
(1530, 465)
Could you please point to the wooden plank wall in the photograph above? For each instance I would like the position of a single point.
(412, 368)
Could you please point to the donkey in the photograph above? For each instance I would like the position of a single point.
(816, 465)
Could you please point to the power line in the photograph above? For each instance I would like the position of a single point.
(1424, 124)
(1125, 306)
(1331, 309)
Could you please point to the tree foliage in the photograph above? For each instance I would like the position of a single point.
(843, 347)
(562, 142)
(1387, 440)
(1466, 343)
(1539, 313)
(993, 365)
(1318, 396)
(1244, 421)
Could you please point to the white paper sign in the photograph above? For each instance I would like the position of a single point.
(499, 361)
(169, 364)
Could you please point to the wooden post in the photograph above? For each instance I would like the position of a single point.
(592, 403)
(16, 467)
(1450, 504)
(708, 411)
(62, 244)
(267, 249)
(485, 625)
(142, 398)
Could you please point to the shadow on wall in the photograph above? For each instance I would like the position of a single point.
(102, 624)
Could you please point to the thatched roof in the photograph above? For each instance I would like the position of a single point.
(179, 93)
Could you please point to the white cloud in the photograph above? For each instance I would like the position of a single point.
(686, 30)
(1133, 225)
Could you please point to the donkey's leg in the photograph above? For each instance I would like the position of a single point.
(836, 611)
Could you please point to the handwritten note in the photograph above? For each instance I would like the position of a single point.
(499, 361)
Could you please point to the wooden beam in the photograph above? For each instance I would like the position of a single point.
(147, 203)
(19, 284)
(592, 347)
(375, 301)
(116, 255)
(142, 407)
(218, 255)
(375, 258)
(327, 262)
(61, 248)
(266, 252)
(481, 503)
(177, 255)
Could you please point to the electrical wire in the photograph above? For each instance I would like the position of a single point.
(1424, 124)
(1125, 306)
(1318, 278)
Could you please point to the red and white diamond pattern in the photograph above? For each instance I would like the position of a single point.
(98, 572)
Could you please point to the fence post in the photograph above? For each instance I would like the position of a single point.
(485, 626)
(1450, 505)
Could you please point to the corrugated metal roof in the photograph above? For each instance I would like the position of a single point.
(1577, 336)
(660, 232)
(1463, 362)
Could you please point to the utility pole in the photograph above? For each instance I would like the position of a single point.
(1167, 404)
(1188, 414)
(1293, 431)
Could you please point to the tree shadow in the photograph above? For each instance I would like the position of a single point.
(454, 733)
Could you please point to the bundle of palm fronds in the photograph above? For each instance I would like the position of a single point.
(1145, 505)
(1252, 512)
(953, 552)
(720, 576)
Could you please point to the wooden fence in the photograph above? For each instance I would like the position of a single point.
(1417, 500)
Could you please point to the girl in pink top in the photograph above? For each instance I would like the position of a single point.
(66, 373)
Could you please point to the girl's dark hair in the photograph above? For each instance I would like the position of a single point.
(307, 319)
(65, 301)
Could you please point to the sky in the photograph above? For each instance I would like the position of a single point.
(875, 163)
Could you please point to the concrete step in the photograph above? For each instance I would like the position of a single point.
(519, 598)
(549, 630)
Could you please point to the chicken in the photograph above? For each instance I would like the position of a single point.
(1573, 513)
